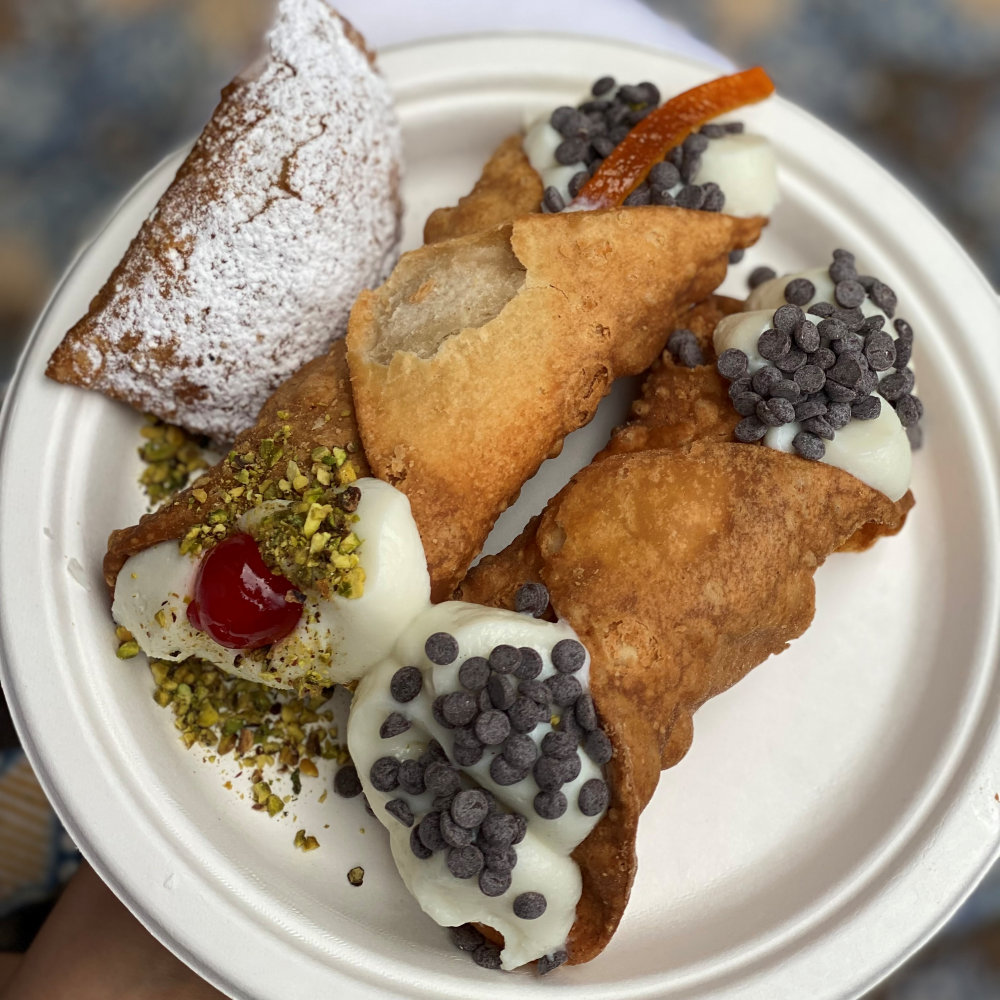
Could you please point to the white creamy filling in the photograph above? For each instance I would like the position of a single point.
(544, 863)
(876, 451)
(742, 164)
(336, 641)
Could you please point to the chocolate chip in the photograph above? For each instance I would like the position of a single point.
(576, 182)
(838, 414)
(459, 708)
(640, 196)
(847, 371)
(896, 385)
(597, 746)
(904, 351)
(715, 199)
(552, 199)
(550, 805)
(384, 774)
(474, 673)
(568, 656)
(525, 714)
(549, 962)
(586, 713)
(809, 445)
(466, 937)
(429, 831)
(529, 905)
(909, 409)
(346, 782)
(535, 690)
(602, 85)
(548, 774)
(786, 389)
(492, 727)
(819, 427)
(470, 807)
(594, 797)
(735, 256)
(502, 691)
(394, 724)
(880, 350)
(499, 829)
(684, 349)
(821, 309)
(441, 778)
(441, 648)
(664, 174)
(842, 270)
(500, 857)
(838, 393)
(464, 862)
(810, 378)
(732, 364)
(417, 846)
(764, 378)
(884, 297)
(799, 291)
(903, 330)
(773, 344)
(847, 345)
(520, 750)
(750, 429)
(487, 956)
(530, 665)
(867, 408)
(433, 752)
(761, 274)
(775, 412)
(807, 336)
(401, 810)
(823, 358)
(559, 745)
(504, 659)
(532, 598)
(848, 293)
(493, 882)
(809, 408)
(564, 119)
(791, 361)
(691, 195)
(467, 756)
(787, 318)
(503, 772)
(745, 404)
(564, 689)
(406, 683)
(411, 777)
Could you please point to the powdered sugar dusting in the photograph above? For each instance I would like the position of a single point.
(247, 268)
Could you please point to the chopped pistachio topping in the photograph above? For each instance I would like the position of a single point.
(266, 731)
(356, 875)
(305, 841)
(170, 456)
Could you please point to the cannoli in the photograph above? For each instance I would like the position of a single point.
(285, 209)
(478, 355)
(682, 559)
(715, 167)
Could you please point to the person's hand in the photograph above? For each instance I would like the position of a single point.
(92, 948)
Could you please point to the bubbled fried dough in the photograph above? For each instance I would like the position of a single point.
(680, 570)
(509, 186)
(480, 354)
(679, 405)
(314, 408)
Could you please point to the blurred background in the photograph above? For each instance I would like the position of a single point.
(94, 92)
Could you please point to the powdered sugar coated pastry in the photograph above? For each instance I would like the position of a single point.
(285, 209)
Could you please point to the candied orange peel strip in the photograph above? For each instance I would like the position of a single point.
(669, 125)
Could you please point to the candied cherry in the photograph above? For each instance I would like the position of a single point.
(238, 601)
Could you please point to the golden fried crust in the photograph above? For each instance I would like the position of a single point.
(680, 570)
(508, 187)
(679, 406)
(461, 422)
(315, 403)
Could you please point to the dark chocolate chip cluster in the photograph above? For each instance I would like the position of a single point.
(591, 131)
(828, 365)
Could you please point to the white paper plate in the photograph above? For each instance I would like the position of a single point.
(837, 805)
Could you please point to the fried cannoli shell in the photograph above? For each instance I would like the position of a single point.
(315, 404)
(478, 355)
(678, 406)
(509, 186)
(680, 570)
